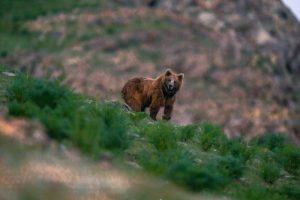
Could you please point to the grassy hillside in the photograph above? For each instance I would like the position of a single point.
(240, 60)
(196, 157)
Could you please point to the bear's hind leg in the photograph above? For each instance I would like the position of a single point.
(135, 105)
(143, 108)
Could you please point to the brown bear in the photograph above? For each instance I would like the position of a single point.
(140, 93)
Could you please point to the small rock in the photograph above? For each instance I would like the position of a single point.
(207, 18)
(210, 20)
(9, 74)
(263, 37)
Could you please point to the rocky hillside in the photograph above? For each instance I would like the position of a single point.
(241, 58)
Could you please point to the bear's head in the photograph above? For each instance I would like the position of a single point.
(171, 82)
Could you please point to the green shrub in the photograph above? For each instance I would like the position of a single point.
(162, 135)
(17, 90)
(96, 126)
(290, 158)
(100, 126)
(196, 177)
(269, 170)
(139, 118)
(185, 133)
(159, 162)
(48, 93)
(271, 141)
(25, 109)
(58, 127)
(231, 167)
(47, 101)
(114, 126)
(212, 137)
(239, 149)
(41, 93)
(290, 190)
(255, 192)
(90, 125)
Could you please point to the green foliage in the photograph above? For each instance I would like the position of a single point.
(43, 94)
(239, 149)
(158, 162)
(188, 174)
(289, 157)
(271, 141)
(269, 170)
(90, 125)
(212, 173)
(97, 126)
(231, 167)
(212, 138)
(208, 175)
(290, 190)
(186, 133)
(44, 100)
(139, 118)
(161, 135)
(256, 192)
(105, 124)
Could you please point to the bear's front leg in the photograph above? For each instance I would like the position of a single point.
(153, 111)
(167, 112)
(168, 109)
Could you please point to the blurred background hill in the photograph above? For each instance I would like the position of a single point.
(241, 58)
(241, 61)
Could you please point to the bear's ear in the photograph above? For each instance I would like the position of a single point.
(180, 76)
(168, 72)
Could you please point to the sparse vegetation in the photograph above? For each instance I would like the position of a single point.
(198, 157)
(13, 15)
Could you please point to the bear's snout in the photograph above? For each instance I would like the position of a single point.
(171, 85)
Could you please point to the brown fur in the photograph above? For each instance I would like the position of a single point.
(140, 93)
